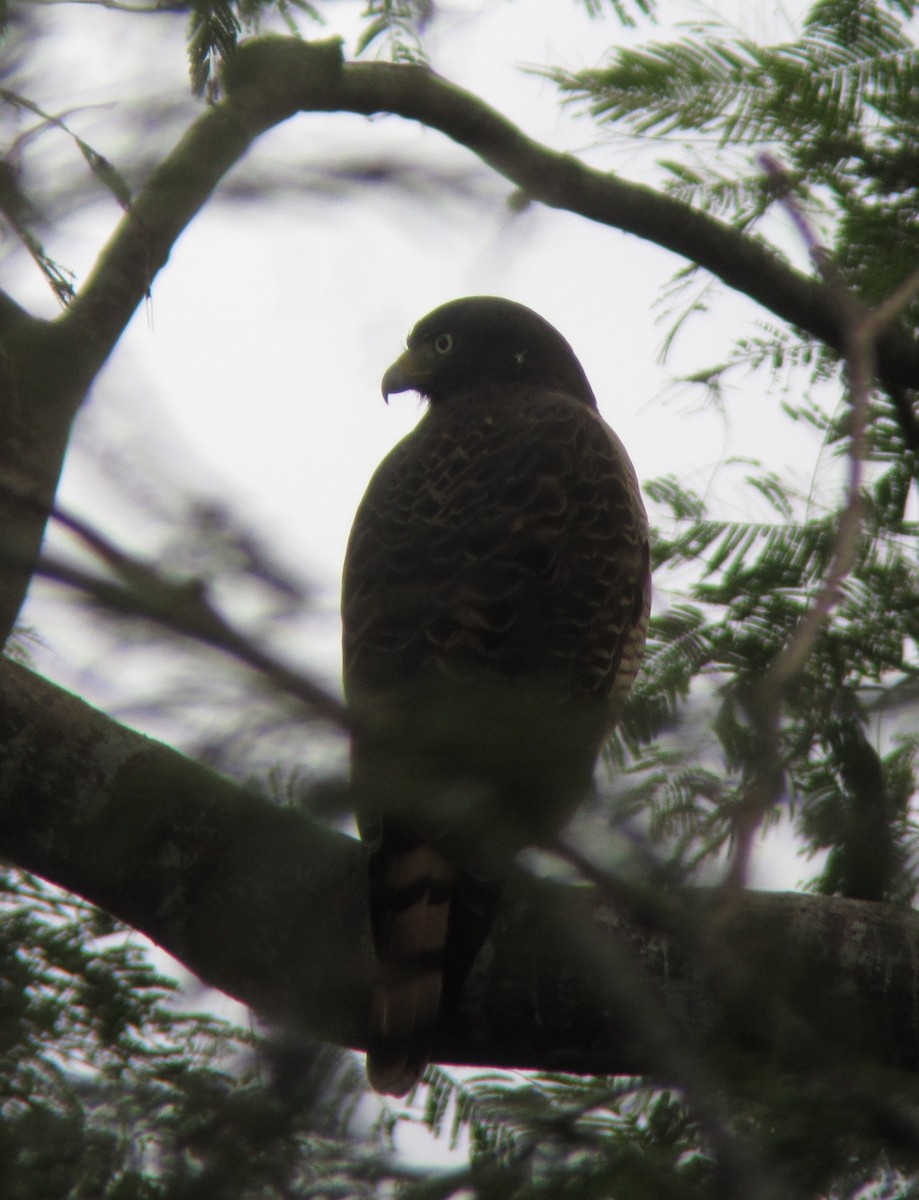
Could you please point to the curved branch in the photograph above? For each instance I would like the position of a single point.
(46, 368)
(269, 79)
(235, 887)
(562, 181)
(182, 184)
(271, 909)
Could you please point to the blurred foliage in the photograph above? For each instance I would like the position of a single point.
(110, 1089)
(836, 104)
(399, 24)
(215, 26)
(564, 1135)
(752, 582)
(17, 212)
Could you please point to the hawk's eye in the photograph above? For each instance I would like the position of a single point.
(443, 343)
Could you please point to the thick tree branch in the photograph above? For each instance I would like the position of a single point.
(561, 181)
(39, 396)
(235, 887)
(270, 79)
(271, 909)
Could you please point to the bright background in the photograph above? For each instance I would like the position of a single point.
(251, 377)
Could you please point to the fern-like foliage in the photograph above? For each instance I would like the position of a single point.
(400, 25)
(215, 27)
(626, 14)
(138, 1098)
(564, 1135)
(752, 583)
(837, 103)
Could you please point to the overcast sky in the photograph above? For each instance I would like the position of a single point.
(253, 374)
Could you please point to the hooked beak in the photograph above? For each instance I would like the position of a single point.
(409, 373)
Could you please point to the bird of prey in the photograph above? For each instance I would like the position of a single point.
(495, 601)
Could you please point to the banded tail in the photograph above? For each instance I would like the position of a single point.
(411, 888)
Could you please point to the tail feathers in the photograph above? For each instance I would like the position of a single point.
(415, 886)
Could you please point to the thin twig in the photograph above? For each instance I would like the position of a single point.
(860, 327)
(888, 310)
(182, 606)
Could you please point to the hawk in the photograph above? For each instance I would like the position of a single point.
(495, 602)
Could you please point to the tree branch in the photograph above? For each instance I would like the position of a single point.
(561, 181)
(269, 79)
(271, 909)
(233, 886)
(46, 368)
(182, 606)
(182, 184)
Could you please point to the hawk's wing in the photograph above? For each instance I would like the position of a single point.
(503, 539)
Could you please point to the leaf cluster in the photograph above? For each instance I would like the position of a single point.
(835, 104)
(215, 27)
(398, 24)
(563, 1135)
(551, 1135)
(111, 1090)
(847, 787)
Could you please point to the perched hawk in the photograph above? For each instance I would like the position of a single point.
(495, 600)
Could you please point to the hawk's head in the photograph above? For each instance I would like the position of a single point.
(485, 341)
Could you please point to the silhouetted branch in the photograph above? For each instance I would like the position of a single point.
(182, 606)
(561, 181)
(271, 908)
(270, 79)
